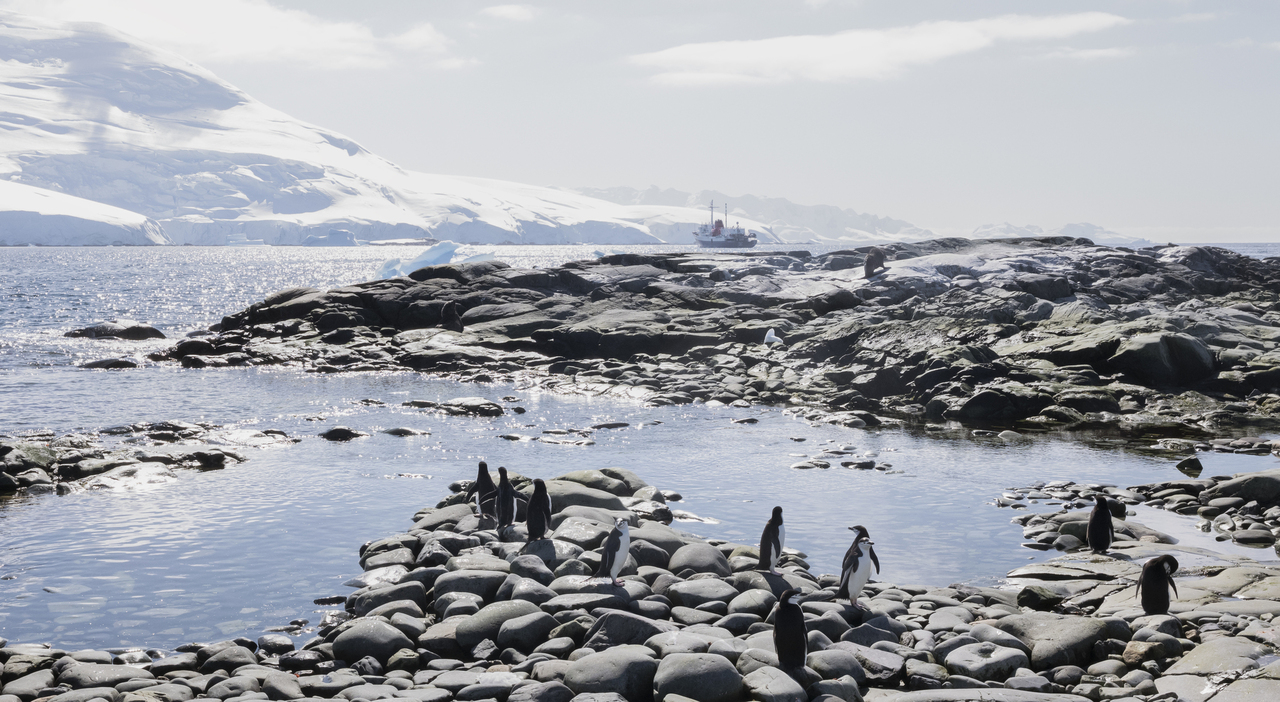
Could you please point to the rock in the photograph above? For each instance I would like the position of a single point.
(111, 364)
(564, 493)
(541, 692)
(1219, 656)
(1163, 359)
(616, 628)
(29, 686)
(526, 632)
(1055, 640)
(342, 434)
(228, 658)
(282, 687)
(96, 675)
(693, 593)
(835, 663)
(599, 481)
(700, 676)
(368, 637)
(700, 558)
(486, 623)
(118, 329)
(234, 687)
(985, 661)
(770, 684)
(625, 670)
(484, 583)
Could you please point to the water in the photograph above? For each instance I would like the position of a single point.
(208, 555)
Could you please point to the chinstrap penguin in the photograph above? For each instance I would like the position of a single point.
(614, 553)
(538, 517)
(1154, 583)
(771, 542)
(506, 500)
(483, 491)
(856, 569)
(1100, 532)
(790, 636)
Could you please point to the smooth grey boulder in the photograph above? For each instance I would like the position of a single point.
(484, 583)
(757, 602)
(527, 632)
(985, 661)
(412, 591)
(369, 637)
(1226, 654)
(701, 676)
(625, 670)
(692, 593)
(700, 558)
(282, 686)
(564, 493)
(769, 684)
(436, 518)
(541, 692)
(532, 567)
(27, 687)
(107, 693)
(486, 623)
(97, 675)
(835, 663)
(598, 481)
(617, 628)
(1055, 640)
(234, 687)
(1163, 359)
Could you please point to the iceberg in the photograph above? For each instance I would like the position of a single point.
(436, 255)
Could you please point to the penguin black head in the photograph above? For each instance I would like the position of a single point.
(620, 523)
(1100, 499)
(502, 471)
(1169, 563)
(538, 485)
(787, 596)
(861, 531)
(777, 515)
(484, 466)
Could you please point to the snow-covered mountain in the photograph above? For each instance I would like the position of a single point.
(96, 114)
(786, 221)
(37, 216)
(1098, 235)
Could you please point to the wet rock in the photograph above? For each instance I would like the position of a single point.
(618, 628)
(985, 661)
(770, 684)
(342, 434)
(368, 637)
(118, 329)
(700, 558)
(1055, 640)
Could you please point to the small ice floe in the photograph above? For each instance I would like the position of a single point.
(771, 338)
(417, 476)
(682, 516)
(437, 254)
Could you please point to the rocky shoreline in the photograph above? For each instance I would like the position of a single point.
(1031, 334)
(451, 610)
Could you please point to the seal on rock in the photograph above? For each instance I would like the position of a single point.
(771, 542)
(1154, 583)
(1100, 532)
(790, 637)
(538, 517)
(875, 261)
(615, 551)
(856, 569)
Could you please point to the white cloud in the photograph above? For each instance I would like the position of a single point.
(250, 31)
(859, 53)
(1092, 54)
(515, 13)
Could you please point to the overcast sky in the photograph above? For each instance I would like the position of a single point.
(1154, 118)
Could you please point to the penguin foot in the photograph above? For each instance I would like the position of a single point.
(617, 583)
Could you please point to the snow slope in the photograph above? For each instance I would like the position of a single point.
(97, 114)
(30, 215)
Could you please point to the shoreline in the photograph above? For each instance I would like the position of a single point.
(446, 576)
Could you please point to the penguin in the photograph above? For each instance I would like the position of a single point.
(614, 554)
(505, 500)
(483, 491)
(790, 637)
(1099, 534)
(1154, 583)
(857, 565)
(538, 515)
(450, 317)
(771, 542)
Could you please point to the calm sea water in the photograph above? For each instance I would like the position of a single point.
(204, 556)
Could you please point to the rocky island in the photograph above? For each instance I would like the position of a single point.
(1039, 334)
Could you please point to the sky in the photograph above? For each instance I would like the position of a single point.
(1153, 118)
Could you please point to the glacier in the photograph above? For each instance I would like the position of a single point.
(31, 216)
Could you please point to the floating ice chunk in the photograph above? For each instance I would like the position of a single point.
(436, 255)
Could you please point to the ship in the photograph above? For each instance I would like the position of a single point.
(715, 235)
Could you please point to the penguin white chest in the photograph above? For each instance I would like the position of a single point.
(861, 573)
(620, 559)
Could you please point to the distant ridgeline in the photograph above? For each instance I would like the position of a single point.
(183, 157)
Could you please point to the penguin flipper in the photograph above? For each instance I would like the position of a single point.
(871, 550)
(1174, 586)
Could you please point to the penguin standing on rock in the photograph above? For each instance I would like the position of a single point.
(1154, 584)
(1100, 532)
(771, 542)
(856, 569)
(790, 636)
(614, 555)
(483, 490)
(538, 519)
(506, 500)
